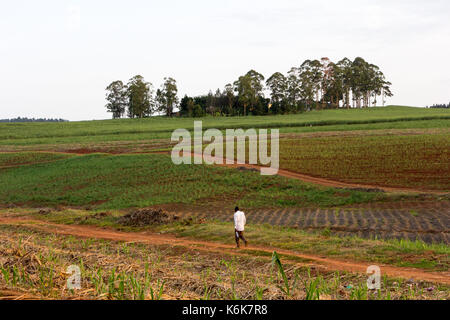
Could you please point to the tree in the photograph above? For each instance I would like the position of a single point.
(197, 111)
(249, 88)
(278, 85)
(315, 83)
(327, 82)
(386, 91)
(117, 99)
(210, 103)
(361, 81)
(140, 100)
(306, 80)
(295, 93)
(219, 102)
(186, 106)
(333, 90)
(166, 97)
(345, 77)
(229, 94)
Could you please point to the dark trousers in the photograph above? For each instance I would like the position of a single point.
(239, 235)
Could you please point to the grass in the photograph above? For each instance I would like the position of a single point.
(123, 181)
(34, 264)
(22, 158)
(161, 128)
(414, 161)
(403, 253)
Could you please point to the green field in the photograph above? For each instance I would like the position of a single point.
(408, 159)
(88, 175)
(161, 127)
(22, 158)
(123, 181)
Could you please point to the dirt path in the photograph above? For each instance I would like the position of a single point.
(162, 239)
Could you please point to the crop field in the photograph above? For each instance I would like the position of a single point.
(34, 261)
(162, 128)
(427, 222)
(122, 181)
(355, 188)
(415, 161)
(22, 158)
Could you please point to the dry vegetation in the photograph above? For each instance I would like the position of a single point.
(33, 265)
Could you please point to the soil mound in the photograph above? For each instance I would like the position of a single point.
(145, 217)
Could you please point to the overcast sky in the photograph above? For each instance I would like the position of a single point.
(58, 56)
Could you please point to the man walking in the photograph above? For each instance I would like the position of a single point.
(239, 225)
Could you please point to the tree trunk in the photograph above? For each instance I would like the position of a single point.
(347, 98)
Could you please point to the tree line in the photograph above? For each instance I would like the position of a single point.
(138, 99)
(20, 119)
(440, 106)
(315, 84)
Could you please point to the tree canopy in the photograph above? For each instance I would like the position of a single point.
(313, 84)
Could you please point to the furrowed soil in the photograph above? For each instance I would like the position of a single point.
(427, 221)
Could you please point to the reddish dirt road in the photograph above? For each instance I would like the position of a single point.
(162, 239)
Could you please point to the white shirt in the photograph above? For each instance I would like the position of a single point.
(239, 220)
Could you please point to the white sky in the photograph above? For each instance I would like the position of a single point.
(57, 57)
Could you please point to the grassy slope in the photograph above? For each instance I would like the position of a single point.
(160, 127)
(111, 181)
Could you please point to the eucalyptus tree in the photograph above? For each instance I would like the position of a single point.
(345, 76)
(386, 91)
(140, 97)
(333, 86)
(166, 96)
(117, 99)
(326, 81)
(306, 78)
(317, 76)
(249, 88)
(294, 94)
(278, 86)
(359, 79)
